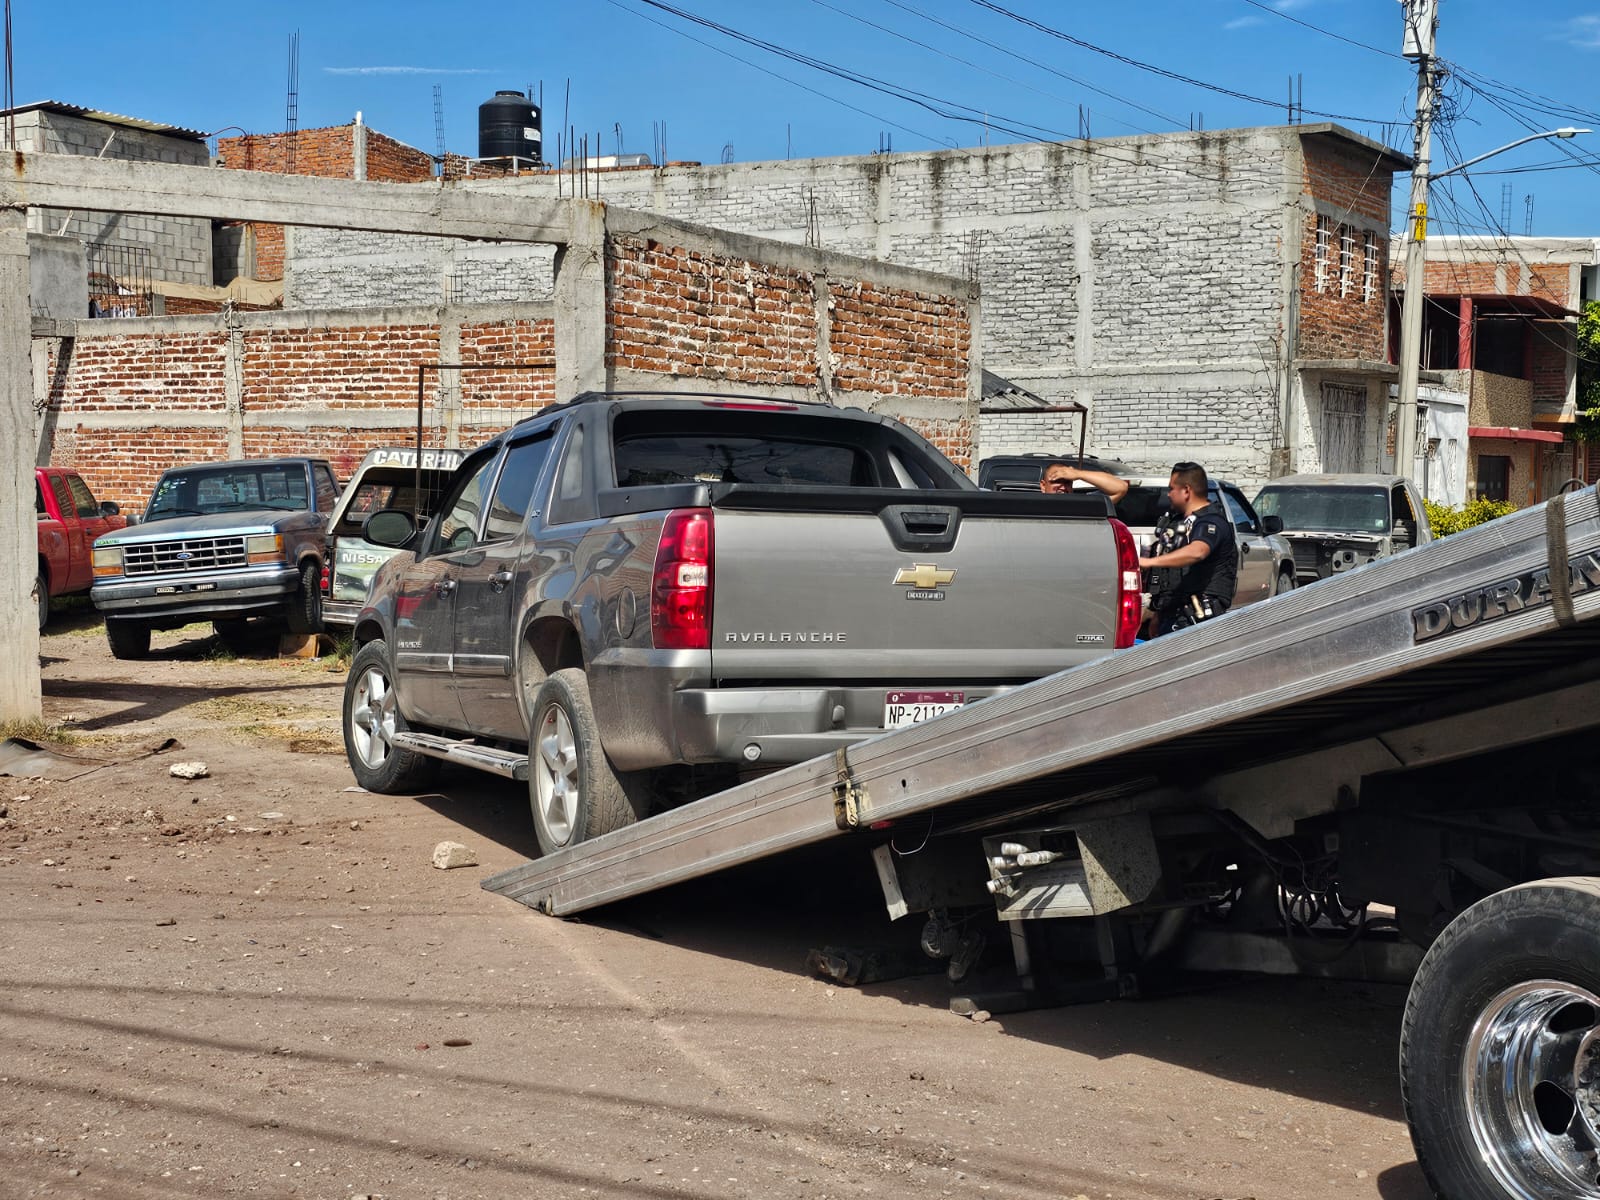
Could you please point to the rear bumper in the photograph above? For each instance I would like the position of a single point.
(771, 726)
(177, 600)
(341, 614)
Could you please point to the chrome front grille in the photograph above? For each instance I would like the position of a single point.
(180, 558)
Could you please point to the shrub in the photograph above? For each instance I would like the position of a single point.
(1446, 520)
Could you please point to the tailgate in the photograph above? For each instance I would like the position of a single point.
(1009, 587)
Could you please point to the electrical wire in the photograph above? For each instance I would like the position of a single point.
(784, 78)
(1033, 62)
(1338, 37)
(1176, 76)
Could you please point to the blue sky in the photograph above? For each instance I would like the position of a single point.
(630, 73)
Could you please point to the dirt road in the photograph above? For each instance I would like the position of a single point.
(256, 983)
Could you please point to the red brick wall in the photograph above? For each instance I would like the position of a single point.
(328, 153)
(171, 372)
(701, 316)
(900, 343)
(389, 161)
(339, 368)
(953, 437)
(123, 464)
(521, 391)
(1548, 344)
(1344, 326)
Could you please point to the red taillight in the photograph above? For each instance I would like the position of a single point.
(1130, 605)
(327, 580)
(680, 593)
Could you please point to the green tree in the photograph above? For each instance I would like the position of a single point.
(1588, 426)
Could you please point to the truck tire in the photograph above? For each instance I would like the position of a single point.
(305, 607)
(41, 595)
(575, 792)
(1284, 582)
(128, 639)
(371, 719)
(1500, 1046)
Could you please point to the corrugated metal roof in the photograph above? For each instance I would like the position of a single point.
(106, 118)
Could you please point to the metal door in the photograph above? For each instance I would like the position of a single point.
(1344, 427)
(425, 605)
(493, 578)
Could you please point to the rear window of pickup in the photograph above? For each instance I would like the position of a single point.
(652, 449)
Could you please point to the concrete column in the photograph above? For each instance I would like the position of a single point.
(822, 290)
(450, 381)
(358, 150)
(1083, 265)
(19, 623)
(233, 385)
(580, 299)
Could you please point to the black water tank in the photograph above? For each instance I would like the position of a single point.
(509, 127)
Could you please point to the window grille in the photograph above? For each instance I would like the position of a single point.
(1347, 259)
(1369, 267)
(1324, 240)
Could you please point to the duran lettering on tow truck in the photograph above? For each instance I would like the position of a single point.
(924, 581)
(1528, 590)
(785, 638)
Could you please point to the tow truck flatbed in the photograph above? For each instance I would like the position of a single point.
(1266, 712)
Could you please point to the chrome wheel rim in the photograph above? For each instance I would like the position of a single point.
(556, 774)
(372, 718)
(1531, 1078)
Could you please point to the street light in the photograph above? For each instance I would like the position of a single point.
(1405, 432)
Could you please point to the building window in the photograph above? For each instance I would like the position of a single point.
(1369, 267)
(1324, 249)
(1347, 260)
(1494, 477)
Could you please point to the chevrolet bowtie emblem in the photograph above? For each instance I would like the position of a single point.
(923, 575)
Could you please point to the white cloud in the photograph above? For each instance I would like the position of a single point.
(409, 70)
(1291, 5)
(1583, 32)
(1242, 22)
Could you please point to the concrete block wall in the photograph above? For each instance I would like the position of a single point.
(336, 269)
(1152, 264)
(179, 247)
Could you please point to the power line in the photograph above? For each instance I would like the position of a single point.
(775, 75)
(1033, 62)
(1155, 70)
(1338, 37)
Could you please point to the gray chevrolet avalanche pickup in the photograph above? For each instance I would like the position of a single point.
(226, 542)
(630, 600)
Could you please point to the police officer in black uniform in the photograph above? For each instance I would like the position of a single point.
(1206, 553)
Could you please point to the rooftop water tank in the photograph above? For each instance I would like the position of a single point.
(509, 127)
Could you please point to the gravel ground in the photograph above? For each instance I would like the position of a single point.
(255, 983)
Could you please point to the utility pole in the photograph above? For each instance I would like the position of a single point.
(1422, 23)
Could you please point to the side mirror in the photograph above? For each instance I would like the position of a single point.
(393, 527)
(1272, 524)
(110, 508)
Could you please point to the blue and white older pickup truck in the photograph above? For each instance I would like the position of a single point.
(224, 542)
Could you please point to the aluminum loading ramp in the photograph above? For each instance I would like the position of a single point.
(1477, 620)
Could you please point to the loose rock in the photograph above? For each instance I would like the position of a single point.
(447, 855)
(189, 770)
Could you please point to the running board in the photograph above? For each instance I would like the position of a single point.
(507, 763)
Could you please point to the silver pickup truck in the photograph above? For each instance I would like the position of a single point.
(630, 600)
(227, 542)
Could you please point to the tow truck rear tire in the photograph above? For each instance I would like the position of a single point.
(372, 717)
(305, 606)
(128, 639)
(574, 791)
(1500, 1046)
(41, 597)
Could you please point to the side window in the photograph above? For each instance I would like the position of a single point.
(514, 493)
(58, 485)
(571, 483)
(463, 508)
(1244, 517)
(327, 489)
(1400, 503)
(82, 498)
(38, 500)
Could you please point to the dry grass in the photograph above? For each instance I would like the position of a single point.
(35, 729)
